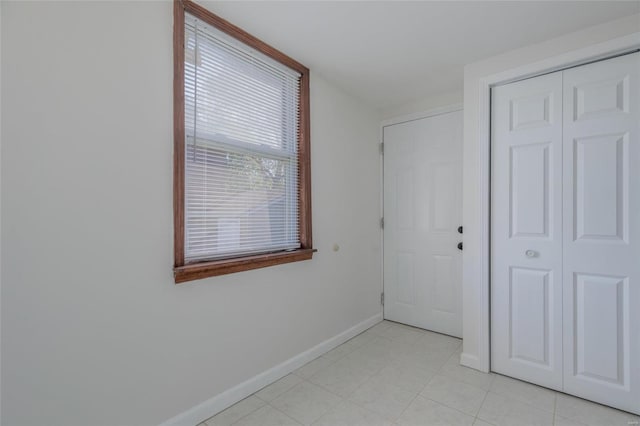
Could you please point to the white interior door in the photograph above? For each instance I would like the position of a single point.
(526, 237)
(602, 232)
(422, 213)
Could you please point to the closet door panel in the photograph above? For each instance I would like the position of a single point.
(601, 226)
(526, 262)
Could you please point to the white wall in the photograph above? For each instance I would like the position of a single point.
(93, 329)
(475, 323)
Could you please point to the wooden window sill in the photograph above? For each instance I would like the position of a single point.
(201, 270)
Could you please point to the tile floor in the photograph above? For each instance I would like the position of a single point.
(393, 374)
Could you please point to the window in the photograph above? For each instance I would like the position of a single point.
(241, 151)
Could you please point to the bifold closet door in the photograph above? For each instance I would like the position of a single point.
(602, 232)
(565, 260)
(526, 224)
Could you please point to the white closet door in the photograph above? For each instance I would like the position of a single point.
(422, 212)
(526, 238)
(602, 232)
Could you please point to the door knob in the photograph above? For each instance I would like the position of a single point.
(459, 246)
(459, 229)
(531, 253)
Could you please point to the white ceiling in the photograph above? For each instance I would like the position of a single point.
(391, 52)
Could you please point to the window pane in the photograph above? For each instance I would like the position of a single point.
(232, 95)
(238, 203)
(241, 166)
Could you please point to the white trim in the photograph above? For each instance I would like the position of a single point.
(598, 51)
(482, 360)
(470, 361)
(211, 407)
(419, 115)
(381, 209)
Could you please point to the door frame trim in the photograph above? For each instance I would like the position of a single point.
(418, 116)
(405, 118)
(597, 52)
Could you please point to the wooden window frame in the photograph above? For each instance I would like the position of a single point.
(184, 272)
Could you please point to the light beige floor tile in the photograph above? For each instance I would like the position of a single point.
(340, 351)
(406, 375)
(525, 392)
(442, 354)
(479, 422)
(504, 411)
(312, 367)
(424, 358)
(406, 326)
(267, 416)
(423, 412)
(455, 394)
(277, 388)
(561, 421)
(438, 342)
(388, 348)
(380, 327)
(453, 369)
(362, 338)
(381, 370)
(590, 413)
(371, 357)
(371, 365)
(236, 412)
(402, 334)
(341, 378)
(383, 398)
(305, 402)
(349, 414)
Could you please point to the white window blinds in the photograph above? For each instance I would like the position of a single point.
(241, 148)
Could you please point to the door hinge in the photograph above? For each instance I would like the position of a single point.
(381, 148)
(382, 298)
(382, 223)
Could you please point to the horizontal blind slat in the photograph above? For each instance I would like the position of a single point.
(241, 165)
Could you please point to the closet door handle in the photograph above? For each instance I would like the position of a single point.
(459, 246)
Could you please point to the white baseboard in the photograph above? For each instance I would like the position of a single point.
(471, 361)
(211, 407)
